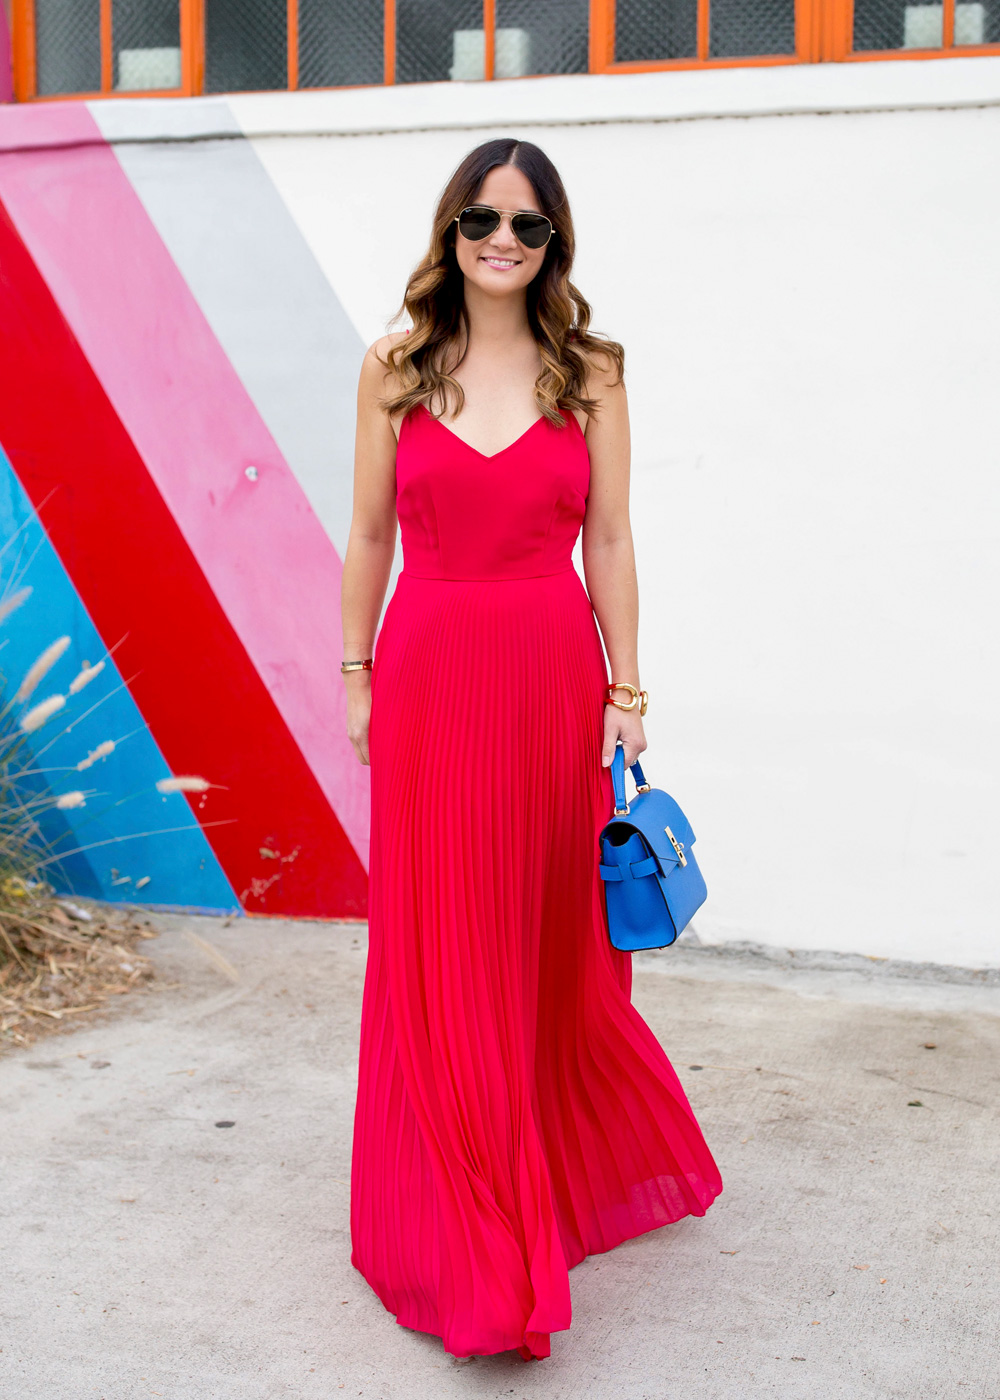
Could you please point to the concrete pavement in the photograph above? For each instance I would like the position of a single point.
(149, 1252)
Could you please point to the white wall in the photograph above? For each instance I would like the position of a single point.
(809, 304)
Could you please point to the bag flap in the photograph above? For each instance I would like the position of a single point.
(650, 813)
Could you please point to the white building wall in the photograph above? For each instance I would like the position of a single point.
(808, 297)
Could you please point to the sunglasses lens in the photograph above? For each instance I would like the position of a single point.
(476, 224)
(532, 229)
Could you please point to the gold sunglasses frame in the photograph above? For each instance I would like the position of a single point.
(510, 213)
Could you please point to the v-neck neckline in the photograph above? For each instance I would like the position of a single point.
(486, 456)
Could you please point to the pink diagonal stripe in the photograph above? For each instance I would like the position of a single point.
(265, 554)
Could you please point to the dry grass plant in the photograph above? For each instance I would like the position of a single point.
(60, 958)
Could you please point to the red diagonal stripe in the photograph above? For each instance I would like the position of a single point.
(202, 698)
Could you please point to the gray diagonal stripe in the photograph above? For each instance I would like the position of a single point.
(260, 288)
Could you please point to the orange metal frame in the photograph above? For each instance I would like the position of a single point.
(293, 44)
(26, 72)
(823, 34)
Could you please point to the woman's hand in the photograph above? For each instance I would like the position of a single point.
(359, 709)
(627, 726)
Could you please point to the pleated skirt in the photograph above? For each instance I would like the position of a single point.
(514, 1111)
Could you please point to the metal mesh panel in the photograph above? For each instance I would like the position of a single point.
(146, 40)
(882, 24)
(655, 29)
(68, 45)
(977, 24)
(340, 42)
(895, 24)
(738, 29)
(534, 37)
(438, 39)
(246, 45)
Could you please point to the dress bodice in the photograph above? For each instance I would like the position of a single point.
(515, 514)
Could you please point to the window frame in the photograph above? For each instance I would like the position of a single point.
(842, 38)
(26, 69)
(823, 34)
(602, 44)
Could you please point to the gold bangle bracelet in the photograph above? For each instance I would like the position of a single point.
(365, 665)
(639, 697)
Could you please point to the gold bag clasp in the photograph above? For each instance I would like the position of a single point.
(677, 845)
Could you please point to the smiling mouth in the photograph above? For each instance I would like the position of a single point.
(502, 263)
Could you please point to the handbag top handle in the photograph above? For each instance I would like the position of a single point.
(618, 779)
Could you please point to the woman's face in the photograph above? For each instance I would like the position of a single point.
(500, 264)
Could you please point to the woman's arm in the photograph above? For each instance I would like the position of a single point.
(609, 557)
(371, 544)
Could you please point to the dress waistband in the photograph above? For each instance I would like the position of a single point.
(484, 578)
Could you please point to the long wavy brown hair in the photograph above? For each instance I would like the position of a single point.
(423, 361)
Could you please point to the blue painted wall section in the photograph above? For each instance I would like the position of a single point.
(138, 845)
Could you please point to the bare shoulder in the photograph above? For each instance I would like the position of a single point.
(605, 386)
(376, 375)
(381, 347)
(604, 376)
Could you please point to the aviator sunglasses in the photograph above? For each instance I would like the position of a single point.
(480, 220)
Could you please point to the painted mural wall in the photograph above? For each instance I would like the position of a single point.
(800, 264)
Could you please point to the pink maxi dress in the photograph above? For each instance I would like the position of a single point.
(514, 1111)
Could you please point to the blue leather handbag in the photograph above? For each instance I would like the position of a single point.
(652, 884)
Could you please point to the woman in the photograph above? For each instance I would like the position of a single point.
(514, 1111)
